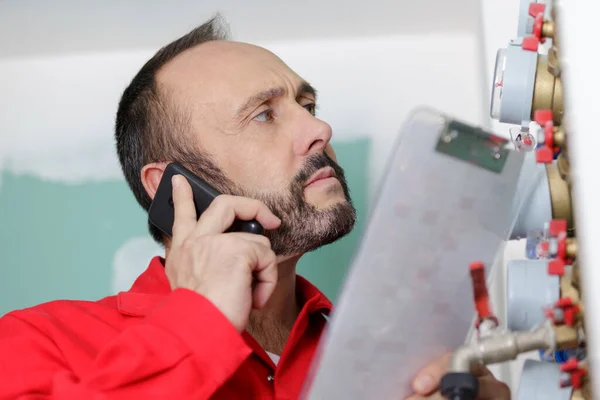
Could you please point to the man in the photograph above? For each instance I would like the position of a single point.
(223, 315)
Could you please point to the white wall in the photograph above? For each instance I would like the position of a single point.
(66, 104)
(31, 28)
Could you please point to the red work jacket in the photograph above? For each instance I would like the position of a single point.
(150, 343)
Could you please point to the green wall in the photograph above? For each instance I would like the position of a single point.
(58, 240)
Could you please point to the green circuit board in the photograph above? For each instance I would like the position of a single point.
(473, 145)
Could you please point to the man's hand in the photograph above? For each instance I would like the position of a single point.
(235, 271)
(427, 383)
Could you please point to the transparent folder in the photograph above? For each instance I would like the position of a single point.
(445, 202)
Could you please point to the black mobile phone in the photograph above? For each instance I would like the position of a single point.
(162, 212)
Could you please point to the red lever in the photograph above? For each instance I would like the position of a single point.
(531, 43)
(557, 227)
(549, 134)
(557, 230)
(545, 154)
(575, 371)
(556, 267)
(537, 28)
(480, 293)
(541, 117)
(569, 312)
(536, 8)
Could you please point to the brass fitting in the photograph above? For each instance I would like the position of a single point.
(567, 337)
(563, 158)
(575, 275)
(571, 248)
(548, 29)
(553, 52)
(547, 92)
(553, 63)
(562, 163)
(560, 139)
(584, 393)
(567, 289)
(560, 196)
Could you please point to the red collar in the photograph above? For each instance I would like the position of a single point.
(152, 286)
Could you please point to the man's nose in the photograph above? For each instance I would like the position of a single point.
(311, 135)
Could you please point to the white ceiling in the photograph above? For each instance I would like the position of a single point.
(39, 27)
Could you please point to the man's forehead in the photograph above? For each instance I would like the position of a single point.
(225, 65)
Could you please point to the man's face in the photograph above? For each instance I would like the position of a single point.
(255, 117)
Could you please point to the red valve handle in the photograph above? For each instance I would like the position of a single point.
(557, 227)
(545, 154)
(537, 28)
(536, 8)
(558, 230)
(480, 293)
(541, 117)
(549, 134)
(556, 267)
(569, 311)
(575, 371)
(531, 43)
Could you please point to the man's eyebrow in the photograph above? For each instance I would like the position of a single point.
(303, 89)
(306, 88)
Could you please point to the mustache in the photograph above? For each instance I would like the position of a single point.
(314, 163)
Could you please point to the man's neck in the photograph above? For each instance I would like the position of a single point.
(271, 325)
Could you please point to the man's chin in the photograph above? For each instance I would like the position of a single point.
(322, 233)
(309, 244)
(329, 202)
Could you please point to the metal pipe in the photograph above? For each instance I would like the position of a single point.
(503, 347)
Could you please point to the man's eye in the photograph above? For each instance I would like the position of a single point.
(264, 116)
(311, 108)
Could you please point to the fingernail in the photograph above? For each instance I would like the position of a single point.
(175, 180)
(424, 383)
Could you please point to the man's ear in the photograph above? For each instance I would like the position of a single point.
(151, 176)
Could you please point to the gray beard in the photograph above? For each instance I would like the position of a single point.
(304, 228)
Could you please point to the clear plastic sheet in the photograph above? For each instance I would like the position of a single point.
(407, 298)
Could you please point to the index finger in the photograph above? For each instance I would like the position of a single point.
(224, 209)
(185, 210)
